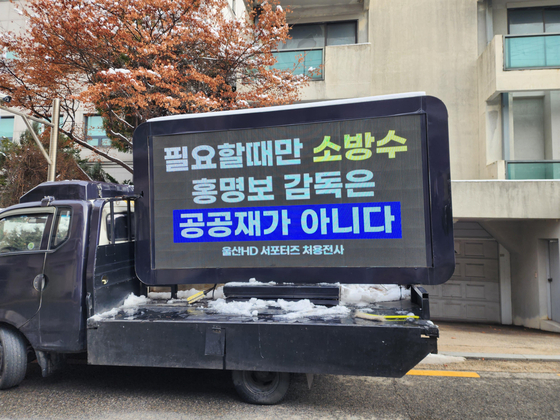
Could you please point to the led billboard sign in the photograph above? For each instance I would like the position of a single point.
(306, 190)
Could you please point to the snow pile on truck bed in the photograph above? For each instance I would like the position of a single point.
(292, 310)
(364, 294)
(129, 306)
(351, 295)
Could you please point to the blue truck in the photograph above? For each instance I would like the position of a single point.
(305, 196)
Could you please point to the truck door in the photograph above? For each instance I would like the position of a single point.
(24, 237)
(61, 318)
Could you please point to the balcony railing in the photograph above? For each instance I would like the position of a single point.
(540, 169)
(312, 60)
(531, 51)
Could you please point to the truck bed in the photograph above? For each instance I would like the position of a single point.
(178, 335)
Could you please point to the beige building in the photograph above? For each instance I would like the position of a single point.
(496, 66)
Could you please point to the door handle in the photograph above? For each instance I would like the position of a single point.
(39, 282)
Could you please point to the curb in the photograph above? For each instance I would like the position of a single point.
(503, 356)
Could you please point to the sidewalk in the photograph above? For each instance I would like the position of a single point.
(498, 342)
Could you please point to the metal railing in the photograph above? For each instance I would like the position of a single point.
(531, 51)
(533, 169)
(312, 60)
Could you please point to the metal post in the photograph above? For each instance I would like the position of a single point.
(54, 139)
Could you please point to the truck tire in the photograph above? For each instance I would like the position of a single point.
(265, 388)
(13, 358)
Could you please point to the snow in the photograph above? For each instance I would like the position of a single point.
(364, 294)
(291, 310)
(116, 71)
(133, 300)
(441, 359)
(129, 306)
(354, 295)
(253, 282)
(160, 295)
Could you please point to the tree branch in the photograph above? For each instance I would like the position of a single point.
(100, 152)
(122, 120)
(122, 137)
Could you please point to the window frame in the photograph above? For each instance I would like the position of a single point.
(56, 219)
(9, 117)
(119, 215)
(98, 138)
(542, 9)
(326, 25)
(326, 33)
(47, 233)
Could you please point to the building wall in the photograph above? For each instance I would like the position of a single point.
(10, 20)
(527, 243)
(426, 46)
(454, 50)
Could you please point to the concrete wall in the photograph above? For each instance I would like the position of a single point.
(431, 45)
(346, 74)
(504, 199)
(526, 241)
(10, 20)
(424, 45)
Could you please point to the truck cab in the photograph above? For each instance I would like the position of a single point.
(49, 244)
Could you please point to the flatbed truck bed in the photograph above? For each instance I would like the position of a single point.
(179, 335)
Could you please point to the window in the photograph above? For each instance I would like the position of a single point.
(121, 227)
(537, 20)
(7, 127)
(23, 233)
(61, 122)
(534, 38)
(7, 54)
(62, 227)
(320, 34)
(309, 41)
(95, 132)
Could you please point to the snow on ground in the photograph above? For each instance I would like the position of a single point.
(441, 359)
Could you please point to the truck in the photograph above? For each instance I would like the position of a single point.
(301, 197)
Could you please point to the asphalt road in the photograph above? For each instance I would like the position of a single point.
(89, 392)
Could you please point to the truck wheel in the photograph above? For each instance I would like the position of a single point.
(13, 358)
(261, 387)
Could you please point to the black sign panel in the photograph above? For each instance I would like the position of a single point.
(291, 191)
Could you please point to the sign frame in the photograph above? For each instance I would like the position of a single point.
(437, 190)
